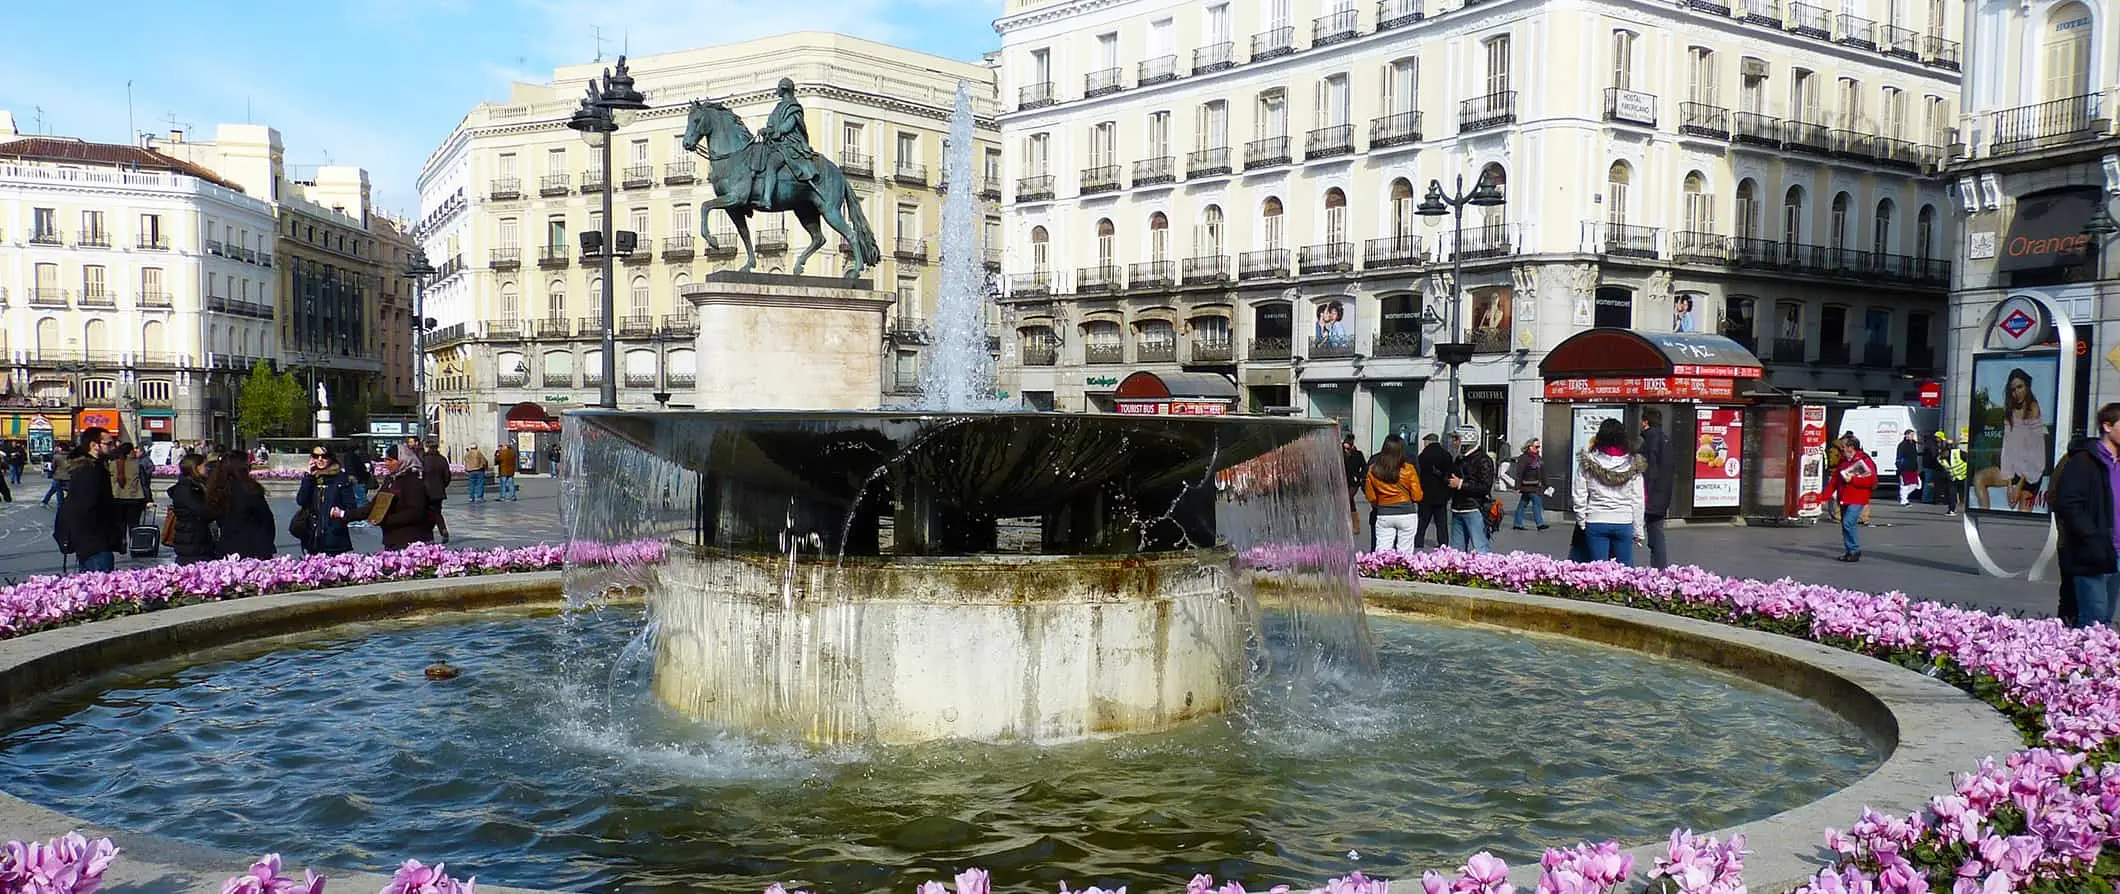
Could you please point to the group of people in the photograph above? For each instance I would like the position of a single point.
(1621, 491)
(502, 467)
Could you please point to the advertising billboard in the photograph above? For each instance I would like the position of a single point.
(1811, 464)
(2011, 430)
(1333, 324)
(1718, 446)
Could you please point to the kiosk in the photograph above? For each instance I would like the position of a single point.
(1174, 394)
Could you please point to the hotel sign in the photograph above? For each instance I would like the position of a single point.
(1634, 107)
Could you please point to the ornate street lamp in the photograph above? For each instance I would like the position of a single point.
(1456, 353)
(607, 106)
(418, 270)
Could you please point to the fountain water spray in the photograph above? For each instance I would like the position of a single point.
(959, 372)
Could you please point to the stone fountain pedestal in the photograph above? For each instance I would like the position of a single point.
(987, 648)
(773, 341)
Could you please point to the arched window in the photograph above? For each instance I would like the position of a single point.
(511, 302)
(48, 336)
(152, 339)
(1837, 234)
(1747, 209)
(681, 309)
(1491, 218)
(1792, 218)
(640, 297)
(1402, 213)
(1617, 179)
(95, 337)
(1035, 344)
(1105, 233)
(2065, 60)
(1041, 250)
(556, 299)
(1335, 216)
(1881, 230)
(1208, 239)
(1158, 237)
(1700, 205)
(1270, 224)
(1925, 232)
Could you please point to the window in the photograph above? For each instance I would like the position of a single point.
(1925, 233)
(1207, 240)
(44, 224)
(94, 282)
(640, 296)
(1738, 317)
(908, 222)
(1935, 124)
(1833, 324)
(556, 299)
(555, 161)
(1838, 234)
(1747, 209)
(1792, 217)
(992, 170)
(853, 140)
(506, 164)
(1218, 23)
(640, 225)
(1335, 216)
(1881, 230)
(1617, 179)
(1035, 155)
(1894, 125)
(1752, 86)
(2066, 58)
(1103, 143)
(1041, 253)
(1403, 214)
(510, 235)
(1700, 75)
(1211, 131)
(1271, 119)
(1803, 96)
(1700, 205)
(1041, 66)
(1491, 218)
(151, 281)
(1107, 51)
(1160, 41)
(1497, 64)
(1936, 18)
(510, 301)
(637, 152)
(1789, 317)
(1158, 134)
(1270, 224)
(151, 231)
(1105, 235)
(1401, 86)
(1276, 14)
(908, 149)
(1333, 102)
(681, 220)
(1851, 105)
(92, 228)
(556, 233)
(1158, 237)
(1623, 60)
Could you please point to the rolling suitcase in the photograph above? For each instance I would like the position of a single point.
(144, 540)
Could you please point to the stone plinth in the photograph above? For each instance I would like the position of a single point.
(1017, 648)
(769, 341)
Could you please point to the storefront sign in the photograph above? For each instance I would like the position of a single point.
(98, 418)
(533, 425)
(1726, 372)
(1643, 388)
(1634, 106)
(158, 425)
(1487, 393)
(1931, 394)
(1811, 464)
(1139, 407)
(1719, 443)
(1199, 408)
(2049, 229)
(1101, 381)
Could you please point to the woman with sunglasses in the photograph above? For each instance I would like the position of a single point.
(326, 487)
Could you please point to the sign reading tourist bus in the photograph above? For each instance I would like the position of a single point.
(1649, 388)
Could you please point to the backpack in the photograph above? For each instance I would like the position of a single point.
(1494, 516)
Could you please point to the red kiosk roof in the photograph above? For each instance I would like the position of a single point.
(1146, 385)
(1608, 352)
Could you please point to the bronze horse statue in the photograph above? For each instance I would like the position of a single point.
(728, 147)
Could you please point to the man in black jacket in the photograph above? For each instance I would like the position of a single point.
(1471, 489)
(434, 472)
(1656, 485)
(1357, 465)
(2083, 501)
(1435, 465)
(88, 524)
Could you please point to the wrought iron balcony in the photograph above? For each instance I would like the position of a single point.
(1269, 349)
(680, 324)
(1030, 284)
(1399, 129)
(1266, 152)
(1271, 263)
(1853, 144)
(990, 187)
(680, 379)
(1811, 21)
(47, 297)
(1713, 7)
(1330, 348)
(1920, 358)
(1833, 353)
(503, 188)
(857, 163)
(98, 297)
(636, 324)
(1391, 252)
(1494, 240)
(1486, 112)
(638, 380)
(1043, 355)
(1335, 28)
(504, 330)
(1703, 120)
(1756, 129)
(723, 245)
(155, 299)
(1098, 278)
(1878, 356)
(1696, 247)
(993, 260)
(504, 258)
(156, 243)
(1621, 240)
(770, 239)
(1937, 52)
(2045, 125)
(1272, 43)
(1034, 189)
(1762, 12)
(592, 181)
(1034, 96)
(213, 246)
(1104, 353)
(1208, 270)
(1101, 82)
(554, 184)
(1212, 350)
(1214, 57)
(1157, 70)
(1327, 142)
(1397, 344)
(1207, 162)
(1858, 32)
(1902, 42)
(1630, 106)
(513, 380)
(1151, 171)
(52, 237)
(1790, 350)
(1397, 13)
(910, 173)
(557, 379)
(1152, 274)
(1161, 351)
(554, 327)
(1325, 258)
(638, 176)
(1102, 178)
(591, 327)
(677, 248)
(679, 172)
(1898, 153)
(1803, 136)
(910, 249)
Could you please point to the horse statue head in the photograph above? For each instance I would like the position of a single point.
(713, 122)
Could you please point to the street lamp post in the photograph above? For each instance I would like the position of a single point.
(610, 104)
(1456, 353)
(417, 269)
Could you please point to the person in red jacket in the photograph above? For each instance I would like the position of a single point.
(1853, 480)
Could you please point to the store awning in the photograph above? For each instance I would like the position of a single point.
(1176, 386)
(2048, 230)
(527, 416)
(1607, 352)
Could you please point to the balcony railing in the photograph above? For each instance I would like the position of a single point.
(592, 181)
(1803, 136)
(677, 248)
(1212, 350)
(1101, 82)
(1392, 252)
(504, 258)
(636, 324)
(1164, 351)
(1756, 129)
(512, 380)
(1899, 153)
(680, 324)
(679, 172)
(1397, 344)
(554, 184)
(1489, 111)
(1157, 70)
(156, 298)
(93, 239)
(1325, 258)
(1326, 142)
(636, 176)
(1938, 52)
(680, 379)
(1492, 240)
(1208, 270)
(557, 380)
(1152, 274)
(1272, 43)
(910, 173)
(153, 243)
(1811, 21)
(638, 380)
(1329, 348)
(1630, 106)
(1150, 171)
(1920, 358)
(1877, 356)
(1034, 96)
(1714, 7)
(1104, 353)
(1266, 152)
(1789, 350)
(1834, 353)
(723, 244)
(1398, 129)
(505, 188)
(1628, 241)
(1269, 349)
(1326, 30)
(504, 330)
(770, 239)
(1214, 57)
(1397, 13)
(1762, 12)
(1853, 143)
(1030, 284)
(1102, 178)
(1207, 162)
(990, 187)
(213, 246)
(591, 327)
(1271, 263)
(1902, 42)
(1696, 247)
(910, 249)
(857, 163)
(1045, 355)
(98, 297)
(1858, 32)
(1034, 189)
(2048, 124)
(554, 327)
(1098, 278)
(52, 237)
(1703, 120)
(47, 297)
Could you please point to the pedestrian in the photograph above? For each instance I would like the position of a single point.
(1435, 465)
(324, 501)
(89, 525)
(552, 455)
(1953, 473)
(236, 505)
(190, 534)
(1854, 480)
(406, 520)
(127, 487)
(504, 462)
(1530, 470)
(475, 474)
(1909, 460)
(1393, 487)
(1609, 494)
(358, 467)
(1471, 489)
(1656, 486)
(58, 467)
(17, 457)
(1356, 465)
(434, 471)
(2083, 501)
(1933, 477)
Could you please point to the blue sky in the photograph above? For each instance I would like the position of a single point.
(378, 83)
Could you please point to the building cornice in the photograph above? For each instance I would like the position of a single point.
(750, 98)
(1052, 13)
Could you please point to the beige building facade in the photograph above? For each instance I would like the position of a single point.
(1233, 187)
(506, 198)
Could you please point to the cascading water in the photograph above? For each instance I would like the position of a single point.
(958, 374)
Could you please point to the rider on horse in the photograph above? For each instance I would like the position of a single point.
(785, 142)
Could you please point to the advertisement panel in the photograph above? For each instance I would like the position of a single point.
(1138, 407)
(1587, 419)
(1650, 388)
(2012, 437)
(1334, 324)
(1720, 443)
(1491, 317)
(1811, 464)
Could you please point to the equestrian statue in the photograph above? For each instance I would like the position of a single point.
(776, 171)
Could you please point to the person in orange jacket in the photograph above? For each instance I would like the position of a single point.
(1393, 487)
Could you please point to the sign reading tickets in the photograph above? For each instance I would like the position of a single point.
(1648, 388)
(1811, 464)
(1718, 446)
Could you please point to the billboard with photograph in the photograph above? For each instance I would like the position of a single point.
(1491, 317)
(1687, 309)
(1719, 445)
(1333, 323)
(2011, 428)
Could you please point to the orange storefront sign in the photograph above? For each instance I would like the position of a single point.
(105, 419)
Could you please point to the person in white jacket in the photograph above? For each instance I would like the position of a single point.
(1607, 494)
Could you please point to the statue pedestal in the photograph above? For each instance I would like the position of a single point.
(772, 341)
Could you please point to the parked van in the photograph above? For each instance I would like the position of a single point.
(1882, 428)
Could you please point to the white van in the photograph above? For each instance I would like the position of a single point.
(1882, 428)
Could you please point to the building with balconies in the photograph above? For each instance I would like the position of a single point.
(1760, 170)
(520, 328)
(2035, 171)
(131, 282)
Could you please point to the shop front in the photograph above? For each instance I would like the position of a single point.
(158, 425)
(1396, 410)
(1175, 394)
(108, 419)
(41, 431)
(534, 432)
(1332, 399)
(1098, 391)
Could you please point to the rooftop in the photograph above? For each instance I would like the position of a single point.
(74, 151)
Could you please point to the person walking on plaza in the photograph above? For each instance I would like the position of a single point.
(1435, 465)
(58, 466)
(1530, 469)
(2084, 502)
(1656, 486)
(434, 471)
(17, 457)
(1609, 494)
(552, 456)
(127, 488)
(236, 504)
(407, 520)
(1909, 459)
(1853, 481)
(475, 475)
(1471, 488)
(190, 536)
(504, 461)
(1952, 472)
(1393, 487)
(326, 486)
(89, 525)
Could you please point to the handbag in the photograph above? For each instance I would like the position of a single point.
(298, 527)
(169, 528)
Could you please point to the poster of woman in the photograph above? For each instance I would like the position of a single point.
(1332, 328)
(2012, 430)
(1685, 312)
(1491, 317)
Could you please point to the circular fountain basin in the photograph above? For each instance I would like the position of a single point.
(333, 745)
